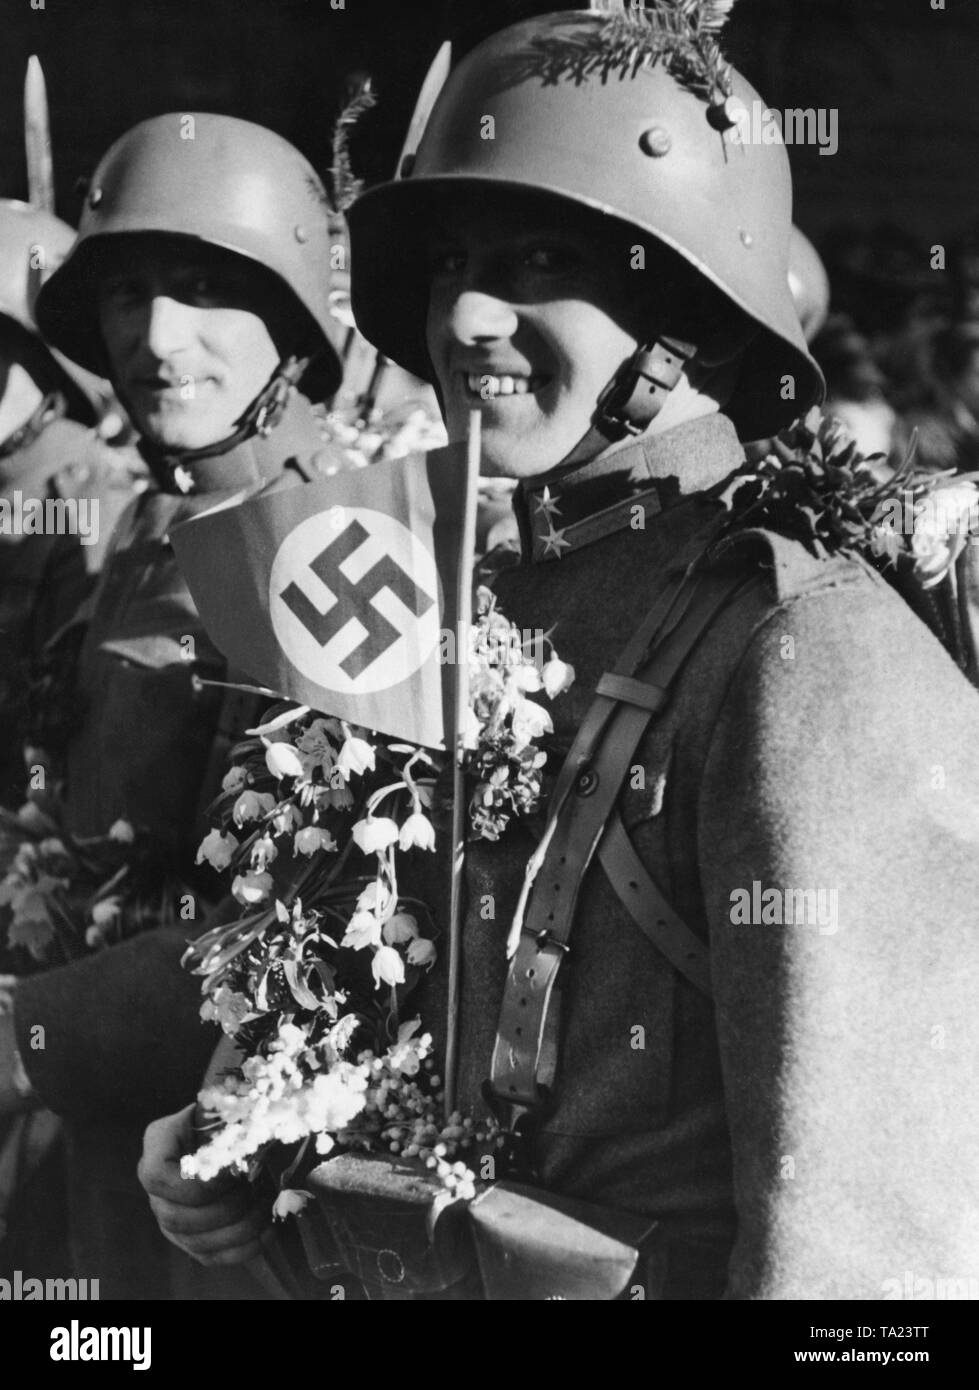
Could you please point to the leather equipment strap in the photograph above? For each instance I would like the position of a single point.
(635, 395)
(638, 392)
(652, 914)
(524, 1054)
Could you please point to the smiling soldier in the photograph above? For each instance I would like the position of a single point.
(199, 284)
(590, 257)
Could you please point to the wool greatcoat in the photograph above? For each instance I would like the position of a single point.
(123, 1041)
(811, 1131)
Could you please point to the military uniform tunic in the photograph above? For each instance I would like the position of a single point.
(811, 1131)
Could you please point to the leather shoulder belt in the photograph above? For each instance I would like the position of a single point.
(583, 821)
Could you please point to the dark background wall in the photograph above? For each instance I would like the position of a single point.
(110, 63)
(902, 75)
(904, 79)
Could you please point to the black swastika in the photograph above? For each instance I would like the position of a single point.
(355, 600)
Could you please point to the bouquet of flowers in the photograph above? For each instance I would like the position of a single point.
(388, 435)
(816, 486)
(912, 524)
(311, 981)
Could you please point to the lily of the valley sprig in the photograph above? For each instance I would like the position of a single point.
(505, 759)
(815, 486)
(311, 981)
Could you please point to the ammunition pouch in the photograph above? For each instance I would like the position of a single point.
(392, 1227)
(536, 1245)
(404, 1237)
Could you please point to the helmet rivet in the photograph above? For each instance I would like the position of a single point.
(301, 234)
(747, 239)
(656, 141)
(95, 197)
(734, 111)
(730, 117)
(407, 166)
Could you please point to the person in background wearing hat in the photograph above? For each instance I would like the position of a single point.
(199, 285)
(786, 1095)
(55, 421)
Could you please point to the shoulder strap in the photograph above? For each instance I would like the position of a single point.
(792, 570)
(628, 698)
(655, 917)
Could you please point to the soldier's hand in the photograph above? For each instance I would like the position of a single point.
(217, 1222)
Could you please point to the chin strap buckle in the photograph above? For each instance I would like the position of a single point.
(53, 407)
(174, 469)
(639, 389)
(271, 404)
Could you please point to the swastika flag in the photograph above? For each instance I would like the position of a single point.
(339, 593)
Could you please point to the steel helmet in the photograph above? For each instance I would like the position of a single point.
(213, 179)
(808, 284)
(559, 104)
(33, 243)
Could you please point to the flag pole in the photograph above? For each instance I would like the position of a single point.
(464, 576)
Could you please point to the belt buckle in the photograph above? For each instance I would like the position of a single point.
(518, 1122)
(545, 939)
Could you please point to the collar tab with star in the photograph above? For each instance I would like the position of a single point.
(560, 511)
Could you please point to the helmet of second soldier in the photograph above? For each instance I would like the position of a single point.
(206, 188)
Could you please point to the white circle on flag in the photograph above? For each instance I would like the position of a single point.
(357, 607)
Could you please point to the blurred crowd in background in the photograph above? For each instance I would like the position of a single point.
(895, 328)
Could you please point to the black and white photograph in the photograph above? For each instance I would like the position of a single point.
(489, 667)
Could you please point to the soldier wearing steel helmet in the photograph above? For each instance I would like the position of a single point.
(55, 422)
(590, 256)
(199, 285)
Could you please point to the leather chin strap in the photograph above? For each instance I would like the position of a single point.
(635, 396)
(583, 822)
(261, 418)
(53, 407)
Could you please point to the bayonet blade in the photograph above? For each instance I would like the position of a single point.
(37, 138)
